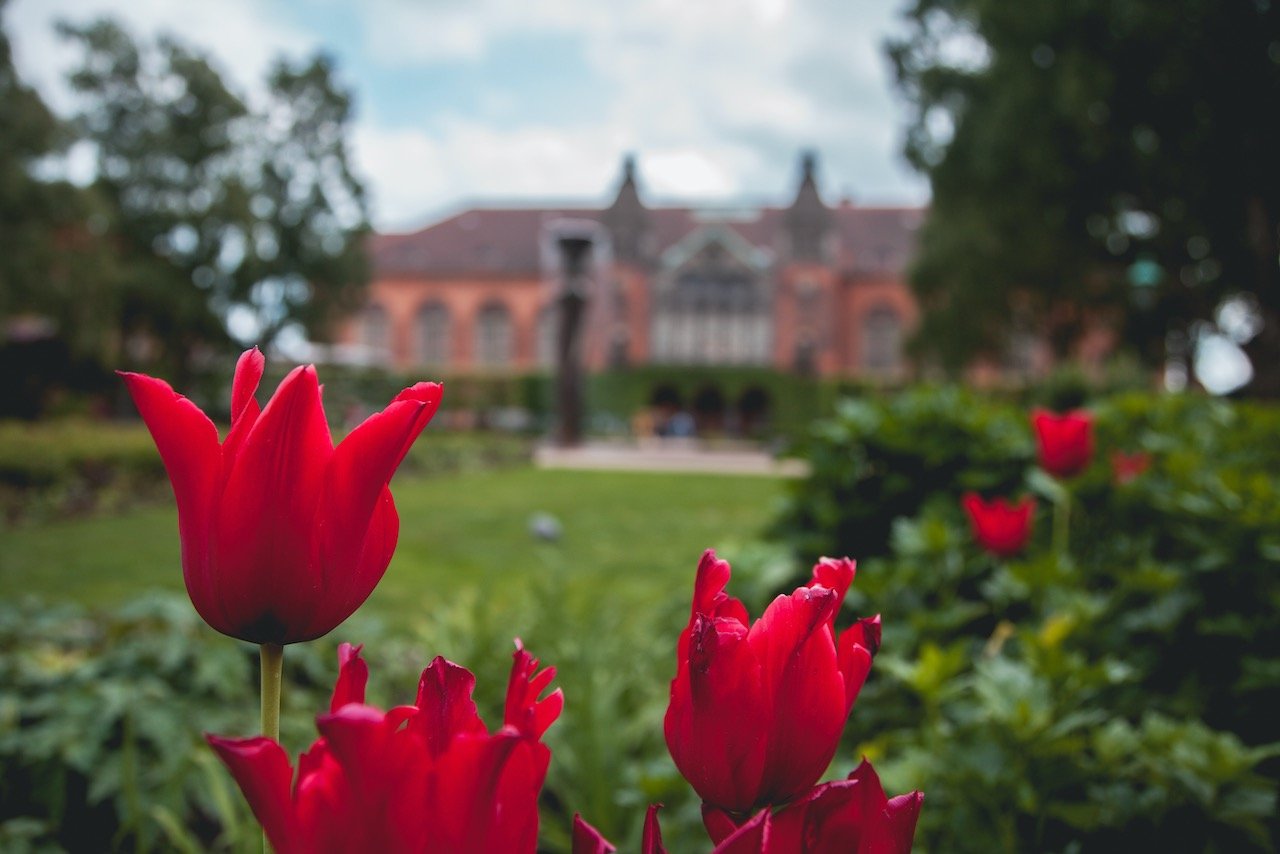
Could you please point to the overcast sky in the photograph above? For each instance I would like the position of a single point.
(464, 101)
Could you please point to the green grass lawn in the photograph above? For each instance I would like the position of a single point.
(624, 534)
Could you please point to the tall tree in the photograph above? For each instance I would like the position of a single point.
(221, 213)
(56, 309)
(310, 213)
(30, 132)
(1095, 161)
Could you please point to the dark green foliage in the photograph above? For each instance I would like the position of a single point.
(1094, 162)
(1119, 697)
(876, 461)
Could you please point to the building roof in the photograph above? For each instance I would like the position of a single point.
(510, 241)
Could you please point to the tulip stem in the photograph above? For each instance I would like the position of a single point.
(1061, 524)
(272, 666)
(272, 657)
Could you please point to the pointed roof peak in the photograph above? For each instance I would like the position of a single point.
(628, 195)
(807, 195)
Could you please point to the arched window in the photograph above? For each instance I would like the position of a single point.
(433, 334)
(375, 333)
(881, 340)
(494, 345)
(548, 333)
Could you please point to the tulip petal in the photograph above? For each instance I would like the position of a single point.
(188, 445)
(718, 713)
(524, 711)
(751, 838)
(244, 407)
(855, 649)
(903, 812)
(820, 822)
(248, 374)
(710, 599)
(588, 840)
(799, 675)
(261, 769)
(323, 802)
(347, 590)
(445, 708)
(719, 824)
(382, 769)
(479, 779)
(353, 676)
(352, 544)
(266, 519)
(651, 840)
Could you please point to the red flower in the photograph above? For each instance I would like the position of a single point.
(756, 710)
(1000, 527)
(421, 779)
(1065, 442)
(588, 840)
(850, 816)
(283, 535)
(1126, 468)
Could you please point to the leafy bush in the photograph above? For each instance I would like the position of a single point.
(58, 468)
(1120, 695)
(878, 460)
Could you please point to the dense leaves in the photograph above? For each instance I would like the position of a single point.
(1119, 696)
(210, 215)
(1094, 163)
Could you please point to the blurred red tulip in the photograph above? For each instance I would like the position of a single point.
(283, 535)
(1000, 527)
(1126, 468)
(756, 710)
(850, 816)
(421, 779)
(1064, 442)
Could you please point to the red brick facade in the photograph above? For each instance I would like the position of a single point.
(806, 287)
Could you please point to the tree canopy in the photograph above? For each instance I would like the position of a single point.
(1096, 162)
(230, 217)
(211, 216)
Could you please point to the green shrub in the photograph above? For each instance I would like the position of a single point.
(1122, 695)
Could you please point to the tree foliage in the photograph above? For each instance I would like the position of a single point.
(220, 210)
(1095, 162)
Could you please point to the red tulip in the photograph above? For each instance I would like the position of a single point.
(850, 816)
(1126, 468)
(1000, 527)
(756, 710)
(421, 779)
(1065, 442)
(588, 840)
(283, 535)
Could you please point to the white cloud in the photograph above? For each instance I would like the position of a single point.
(716, 97)
(242, 36)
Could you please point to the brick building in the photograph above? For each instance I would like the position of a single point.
(806, 287)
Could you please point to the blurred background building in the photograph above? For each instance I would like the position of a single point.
(802, 287)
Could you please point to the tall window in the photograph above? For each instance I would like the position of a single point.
(494, 345)
(433, 334)
(881, 340)
(375, 333)
(548, 332)
(712, 315)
